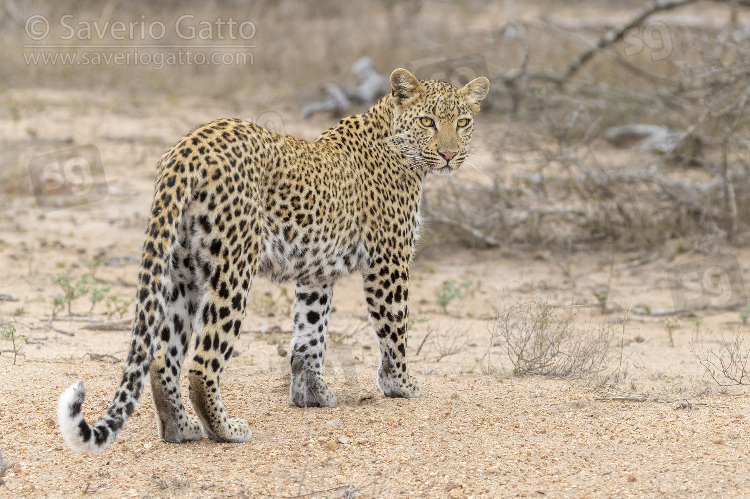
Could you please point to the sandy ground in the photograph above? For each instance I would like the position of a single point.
(651, 423)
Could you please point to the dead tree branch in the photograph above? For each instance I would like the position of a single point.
(615, 36)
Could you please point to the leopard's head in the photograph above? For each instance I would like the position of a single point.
(433, 120)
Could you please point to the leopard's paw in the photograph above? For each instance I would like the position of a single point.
(187, 431)
(397, 383)
(309, 389)
(232, 430)
(404, 386)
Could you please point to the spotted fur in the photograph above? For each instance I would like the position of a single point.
(234, 201)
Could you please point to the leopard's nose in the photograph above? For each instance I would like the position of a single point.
(447, 155)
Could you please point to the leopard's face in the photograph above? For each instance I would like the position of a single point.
(433, 121)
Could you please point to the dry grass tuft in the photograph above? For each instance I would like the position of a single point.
(542, 339)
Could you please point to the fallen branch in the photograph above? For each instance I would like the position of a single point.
(635, 318)
(661, 311)
(72, 318)
(103, 357)
(637, 262)
(61, 331)
(113, 325)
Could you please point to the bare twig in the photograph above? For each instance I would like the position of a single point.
(449, 342)
(728, 366)
(424, 340)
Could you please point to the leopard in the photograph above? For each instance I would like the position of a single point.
(234, 201)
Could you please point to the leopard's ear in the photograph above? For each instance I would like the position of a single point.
(405, 86)
(475, 91)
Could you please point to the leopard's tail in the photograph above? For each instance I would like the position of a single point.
(174, 188)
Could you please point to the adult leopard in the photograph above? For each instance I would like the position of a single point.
(232, 201)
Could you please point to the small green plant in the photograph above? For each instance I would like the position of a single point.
(643, 308)
(9, 331)
(697, 324)
(601, 297)
(70, 291)
(117, 305)
(449, 291)
(88, 286)
(745, 313)
(413, 321)
(670, 325)
(97, 294)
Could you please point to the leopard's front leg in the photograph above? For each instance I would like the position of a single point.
(312, 306)
(387, 292)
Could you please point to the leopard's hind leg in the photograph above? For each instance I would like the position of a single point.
(228, 255)
(180, 301)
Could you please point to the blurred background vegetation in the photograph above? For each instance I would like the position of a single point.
(553, 165)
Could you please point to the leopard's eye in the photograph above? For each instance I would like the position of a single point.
(462, 122)
(427, 122)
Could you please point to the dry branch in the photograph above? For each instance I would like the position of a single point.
(103, 357)
(729, 366)
(615, 36)
(113, 325)
(62, 331)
